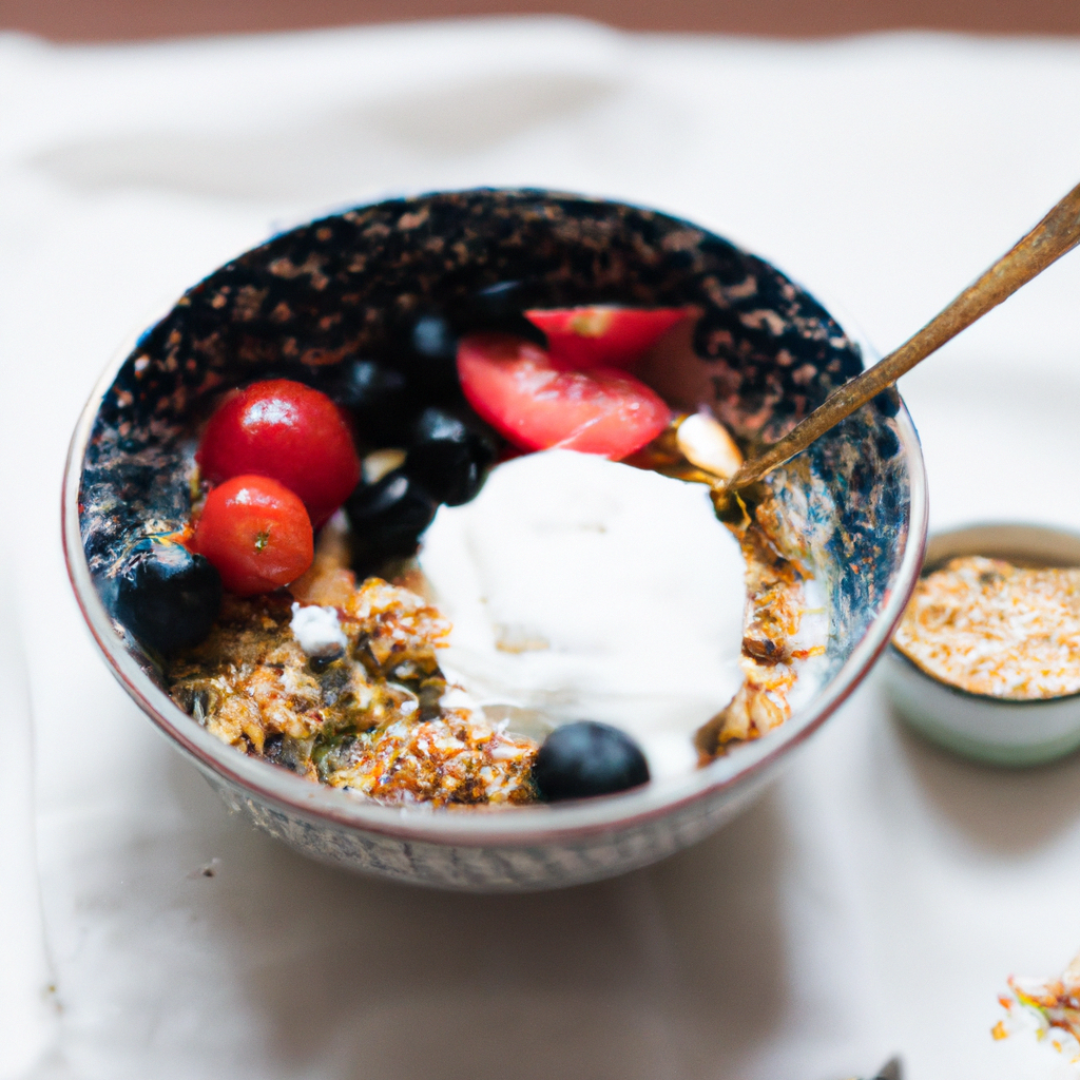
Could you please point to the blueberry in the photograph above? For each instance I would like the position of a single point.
(888, 444)
(167, 597)
(368, 384)
(448, 457)
(388, 517)
(501, 309)
(377, 395)
(502, 297)
(583, 759)
(431, 356)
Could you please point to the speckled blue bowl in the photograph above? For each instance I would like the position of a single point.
(764, 354)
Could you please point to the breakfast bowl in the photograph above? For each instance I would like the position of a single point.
(992, 729)
(758, 355)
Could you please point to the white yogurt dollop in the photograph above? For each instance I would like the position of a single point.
(580, 588)
(318, 630)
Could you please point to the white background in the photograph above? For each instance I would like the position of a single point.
(874, 900)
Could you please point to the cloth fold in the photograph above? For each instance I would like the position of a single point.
(26, 983)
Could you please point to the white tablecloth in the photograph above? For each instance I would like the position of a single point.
(873, 901)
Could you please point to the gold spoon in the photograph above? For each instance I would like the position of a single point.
(1056, 234)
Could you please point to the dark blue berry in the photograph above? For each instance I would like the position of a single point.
(379, 398)
(388, 517)
(501, 309)
(432, 336)
(448, 457)
(426, 348)
(430, 357)
(167, 597)
(583, 759)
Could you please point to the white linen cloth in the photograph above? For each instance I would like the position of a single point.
(873, 901)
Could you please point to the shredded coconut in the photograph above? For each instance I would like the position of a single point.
(989, 627)
(317, 629)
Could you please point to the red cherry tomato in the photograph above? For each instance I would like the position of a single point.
(257, 534)
(289, 432)
(603, 337)
(514, 386)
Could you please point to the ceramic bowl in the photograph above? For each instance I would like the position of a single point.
(763, 354)
(978, 726)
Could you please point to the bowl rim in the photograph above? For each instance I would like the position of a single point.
(541, 824)
(1016, 529)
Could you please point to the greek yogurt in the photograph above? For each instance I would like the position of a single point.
(581, 588)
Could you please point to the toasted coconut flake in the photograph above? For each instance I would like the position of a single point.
(989, 627)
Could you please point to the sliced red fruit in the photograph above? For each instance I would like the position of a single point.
(603, 337)
(514, 386)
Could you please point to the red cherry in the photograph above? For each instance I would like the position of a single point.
(289, 432)
(514, 386)
(257, 534)
(603, 337)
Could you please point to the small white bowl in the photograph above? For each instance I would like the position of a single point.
(978, 726)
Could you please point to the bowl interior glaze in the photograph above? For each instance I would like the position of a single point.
(764, 353)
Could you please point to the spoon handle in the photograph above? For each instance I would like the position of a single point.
(1056, 234)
